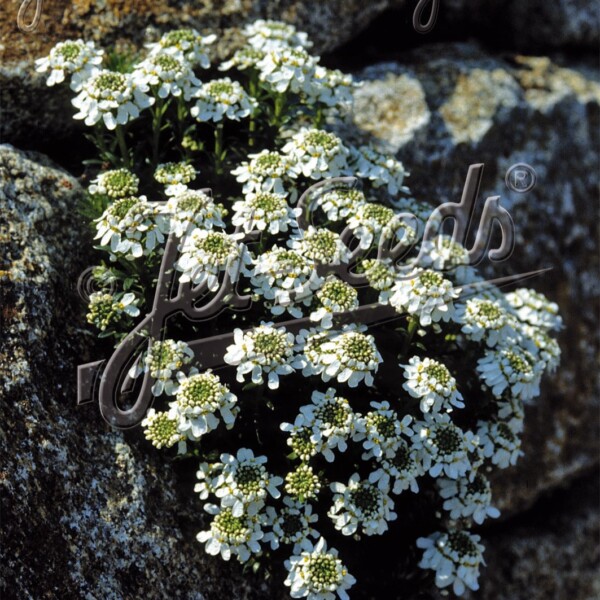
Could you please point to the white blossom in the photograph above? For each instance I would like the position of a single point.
(191, 209)
(511, 368)
(273, 35)
(267, 171)
(185, 44)
(222, 99)
(231, 536)
(317, 154)
(76, 58)
(382, 170)
(534, 308)
(243, 483)
(431, 382)
(468, 498)
(206, 254)
(361, 505)
(381, 431)
(426, 295)
(444, 447)
(484, 319)
(291, 525)
(500, 443)
(264, 211)
(318, 574)
(334, 296)
(116, 183)
(115, 98)
(199, 398)
(400, 471)
(286, 279)
(320, 245)
(167, 75)
(266, 349)
(287, 70)
(455, 557)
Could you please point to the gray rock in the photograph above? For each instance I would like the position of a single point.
(86, 512)
(550, 553)
(448, 106)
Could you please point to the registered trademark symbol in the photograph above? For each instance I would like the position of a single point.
(521, 178)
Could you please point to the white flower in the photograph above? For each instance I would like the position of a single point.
(309, 343)
(73, 57)
(114, 98)
(244, 483)
(399, 472)
(320, 245)
(455, 557)
(117, 183)
(444, 447)
(334, 419)
(272, 35)
(198, 400)
(264, 211)
(539, 344)
(105, 309)
(168, 75)
(318, 574)
(132, 227)
(267, 171)
(264, 349)
(381, 431)
(222, 99)
(381, 169)
(185, 44)
(484, 319)
(206, 254)
(287, 69)
(207, 475)
(534, 308)
(191, 209)
(442, 254)
(164, 361)
(370, 222)
(229, 535)
(381, 275)
(511, 368)
(338, 204)
(431, 382)
(426, 295)
(500, 443)
(303, 483)
(332, 88)
(286, 278)
(334, 296)
(175, 176)
(291, 525)
(244, 58)
(160, 428)
(350, 357)
(360, 504)
(468, 498)
(305, 438)
(317, 154)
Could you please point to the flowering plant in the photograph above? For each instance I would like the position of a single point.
(331, 432)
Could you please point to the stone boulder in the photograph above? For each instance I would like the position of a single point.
(86, 512)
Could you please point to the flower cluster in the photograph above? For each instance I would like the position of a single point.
(318, 425)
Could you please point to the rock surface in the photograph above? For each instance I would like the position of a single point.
(449, 106)
(86, 513)
(551, 552)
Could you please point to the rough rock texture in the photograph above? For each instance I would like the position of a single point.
(550, 553)
(85, 512)
(449, 106)
(25, 102)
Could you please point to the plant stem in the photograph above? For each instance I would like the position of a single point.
(156, 125)
(413, 323)
(219, 148)
(123, 146)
